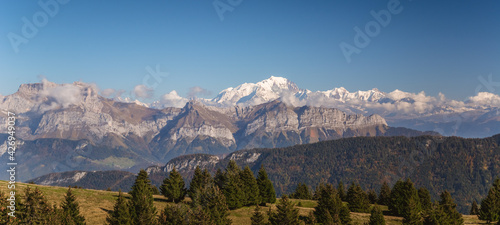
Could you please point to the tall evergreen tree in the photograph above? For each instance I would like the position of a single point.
(449, 208)
(35, 208)
(372, 196)
(232, 186)
(384, 198)
(401, 194)
(173, 187)
(301, 192)
(376, 216)
(120, 214)
(357, 199)
(330, 207)
(4, 211)
(212, 203)
(250, 187)
(434, 215)
(70, 207)
(286, 213)
(413, 216)
(142, 209)
(196, 182)
(474, 209)
(425, 198)
(490, 206)
(266, 189)
(178, 214)
(341, 191)
(257, 217)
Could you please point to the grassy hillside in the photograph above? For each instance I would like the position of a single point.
(94, 205)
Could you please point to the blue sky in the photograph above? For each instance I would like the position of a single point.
(431, 46)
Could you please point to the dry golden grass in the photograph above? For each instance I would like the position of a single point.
(94, 205)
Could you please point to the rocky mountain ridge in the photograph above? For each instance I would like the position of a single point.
(96, 133)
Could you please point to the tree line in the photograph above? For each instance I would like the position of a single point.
(34, 208)
(211, 197)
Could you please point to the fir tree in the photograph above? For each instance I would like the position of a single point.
(250, 187)
(266, 189)
(302, 192)
(384, 198)
(120, 214)
(70, 206)
(490, 206)
(330, 206)
(173, 187)
(178, 214)
(413, 216)
(142, 209)
(449, 208)
(196, 182)
(286, 213)
(233, 186)
(372, 196)
(434, 215)
(474, 209)
(4, 216)
(376, 216)
(401, 194)
(341, 191)
(425, 198)
(357, 199)
(35, 208)
(210, 202)
(257, 217)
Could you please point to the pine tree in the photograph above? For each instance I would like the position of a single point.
(401, 194)
(178, 214)
(330, 207)
(211, 203)
(233, 186)
(449, 208)
(357, 199)
(196, 182)
(266, 189)
(413, 215)
(286, 213)
(372, 196)
(4, 216)
(250, 187)
(257, 217)
(434, 215)
(142, 209)
(302, 192)
(425, 198)
(35, 208)
(490, 206)
(376, 216)
(384, 198)
(70, 206)
(474, 209)
(120, 214)
(341, 191)
(173, 187)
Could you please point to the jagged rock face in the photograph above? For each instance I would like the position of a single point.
(76, 112)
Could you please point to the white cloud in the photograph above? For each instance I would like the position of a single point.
(108, 93)
(142, 91)
(485, 99)
(172, 99)
(59, 95)
(197, 90)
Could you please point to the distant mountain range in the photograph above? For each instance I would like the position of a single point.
(476, 116)
(64, 127)
(464, 167)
